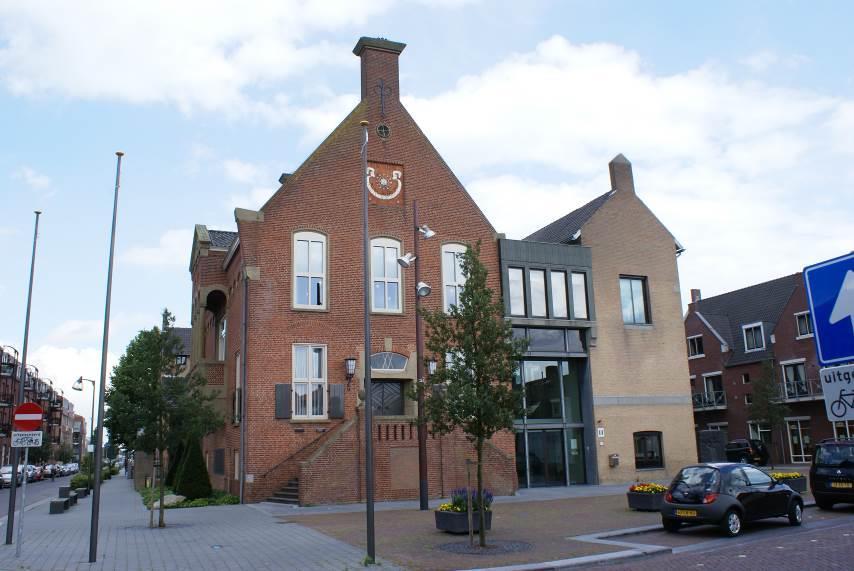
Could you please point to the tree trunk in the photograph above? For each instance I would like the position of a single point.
(161, 521)
(481, 510)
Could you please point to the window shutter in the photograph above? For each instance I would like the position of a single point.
(283, 400)
(336, 401)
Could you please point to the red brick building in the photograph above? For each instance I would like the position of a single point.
(731, 337)
(281, 300)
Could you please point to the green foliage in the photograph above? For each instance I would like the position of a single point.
(105, 474)
(194, 481)
(768, 407)
(471, 389)
(217, 498)
(43, 453)
(64, 454)
(175, 454)
(79, 480)
(114, 470)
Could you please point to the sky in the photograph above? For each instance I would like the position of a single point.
(737, 117)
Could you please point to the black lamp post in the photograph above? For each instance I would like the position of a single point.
(78, 386)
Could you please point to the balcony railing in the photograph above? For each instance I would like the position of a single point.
(801, 390)
(709, 400)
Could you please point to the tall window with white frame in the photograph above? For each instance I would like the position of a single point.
(309, 384)
(309, 270)
(221, 336)
(579, 295)
(538, 292)
(385, 272)
(634, 300)
(695, 347)
(453, 279)
(804, 325)
(754, 337)
(558, 283)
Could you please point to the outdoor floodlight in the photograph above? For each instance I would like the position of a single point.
(426, 232)
(422, 289)
(431, 366)
(406, 260)
(78, 384)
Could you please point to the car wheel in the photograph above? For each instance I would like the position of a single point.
(732, 523)
(670, 525)
(796, 513)
(824, 504)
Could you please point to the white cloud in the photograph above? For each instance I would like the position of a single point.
(766, 59)
(172, 250)
(76, 331)
(32, 178)
(240, 171)
(65, 364)
(253, 200)
(752, 178)
(196, 55)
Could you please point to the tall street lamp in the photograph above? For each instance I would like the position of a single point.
(10, 521)
(369, 416)
(78, 386)
(96, 490)
(421, 290)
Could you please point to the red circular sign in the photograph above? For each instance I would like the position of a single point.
(28, 416)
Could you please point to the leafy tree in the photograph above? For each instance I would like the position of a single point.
(43, 453)
(193, 481)
(472, 387)
(175, 458)
(768, 407)
(64, 453)
(150, 407)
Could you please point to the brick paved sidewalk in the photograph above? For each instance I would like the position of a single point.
(212, 538)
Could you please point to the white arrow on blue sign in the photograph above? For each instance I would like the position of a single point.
(830, 290)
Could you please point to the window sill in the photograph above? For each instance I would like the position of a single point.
(757, 350)
(640, 326)
(697, 357)
(393, 313)
(310, 420)
(649, 469)
(810, 336)
(310, 308)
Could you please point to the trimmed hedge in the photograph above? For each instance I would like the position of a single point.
(193, 481)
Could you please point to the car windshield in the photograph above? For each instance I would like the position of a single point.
(835, 455)
(6, 470)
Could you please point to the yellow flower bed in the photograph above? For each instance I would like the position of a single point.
(785, 475)
(449, 507)
(648, 488)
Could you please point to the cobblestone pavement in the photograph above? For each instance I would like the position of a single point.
(212, 538)
(826, 541)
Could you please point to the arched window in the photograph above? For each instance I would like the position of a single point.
(385, 276)
(453, 279)
(309, 270)
(388, 361)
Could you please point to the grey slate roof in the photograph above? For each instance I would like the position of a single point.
(184, 334)
(222, 238)
(561, 230)
(757, 303)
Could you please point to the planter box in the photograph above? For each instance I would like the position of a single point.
(644, 502)
(797, 484)
(456, 522)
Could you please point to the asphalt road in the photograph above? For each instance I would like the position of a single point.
(825, 541)
(36, 491)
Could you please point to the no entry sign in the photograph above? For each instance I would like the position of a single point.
(28, 416)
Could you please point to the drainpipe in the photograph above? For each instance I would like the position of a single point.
(243, 386)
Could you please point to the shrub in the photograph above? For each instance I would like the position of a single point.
(647, 488)
(197, 503)
(193, 481)
(459, 501)
(105, 474)
(226, 500)
(114, 471)
(79, 481)
(174, 462)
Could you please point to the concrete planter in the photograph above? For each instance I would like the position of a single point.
(797, 484)
(458, 522)
(644, 502)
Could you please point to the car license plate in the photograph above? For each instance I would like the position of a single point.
(686, 513)
(842, 485)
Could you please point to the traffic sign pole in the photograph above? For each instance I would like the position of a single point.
(23, 503)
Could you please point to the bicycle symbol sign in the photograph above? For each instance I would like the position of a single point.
(838, 386)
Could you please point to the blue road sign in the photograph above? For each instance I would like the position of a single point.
(830, 290)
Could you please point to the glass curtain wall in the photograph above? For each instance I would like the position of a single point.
(550, 435)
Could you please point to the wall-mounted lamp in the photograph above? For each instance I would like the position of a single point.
(406, 260)
(426, 232)
(422, 289)
(350, 365)
(431, 366)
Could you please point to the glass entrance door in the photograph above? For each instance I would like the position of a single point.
(800, 442)
(545, 458)
(575, 452)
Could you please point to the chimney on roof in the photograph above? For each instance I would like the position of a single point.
(284, 177)
(695, 296)
(621, 174)
(380, 76)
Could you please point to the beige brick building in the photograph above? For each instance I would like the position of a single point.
(637, 362)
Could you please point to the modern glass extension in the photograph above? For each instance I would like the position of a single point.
(550, 435)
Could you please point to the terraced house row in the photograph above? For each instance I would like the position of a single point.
(277, 326)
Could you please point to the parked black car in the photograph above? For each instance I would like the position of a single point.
(832, 473)
(727, 494)
(747, 451)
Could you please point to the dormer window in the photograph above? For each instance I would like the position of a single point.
(754, 337)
